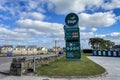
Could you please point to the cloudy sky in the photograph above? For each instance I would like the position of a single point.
(40, 22)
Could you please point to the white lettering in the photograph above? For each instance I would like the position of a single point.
(71, 21)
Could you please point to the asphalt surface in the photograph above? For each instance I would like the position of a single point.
(111, 64)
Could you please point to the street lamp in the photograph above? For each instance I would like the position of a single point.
(56, 45)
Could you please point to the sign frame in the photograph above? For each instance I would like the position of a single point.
(71, 20)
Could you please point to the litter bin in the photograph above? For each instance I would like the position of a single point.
(94, 52)
(115, 53)
(9, 53)
(109, 53)
(104, 53)
(118, 53)
(99, 53)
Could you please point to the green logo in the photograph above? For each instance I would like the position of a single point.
(71, 19)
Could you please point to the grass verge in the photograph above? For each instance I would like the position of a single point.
(71, 68)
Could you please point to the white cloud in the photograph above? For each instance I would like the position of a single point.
(31, 30)
(112, 5)
(4, 17)
(86, 35)
(66, 6)
(100, 19)
(82, 28)
(35, 32)
(113, 36)
(7, 35)
(5, 26)
(40, 27)
(32, 15)
(5, 31)
(100, 35)
(84, 39)
(20, 30)
(33, 4)
(93, 29)
(118, 18)
(15, 8)
(50, 6)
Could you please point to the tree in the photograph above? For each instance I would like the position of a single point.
(99, 43)
(95, 43)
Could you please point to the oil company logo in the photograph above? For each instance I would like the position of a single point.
(71, 19)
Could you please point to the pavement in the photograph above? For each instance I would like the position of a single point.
(111, 64)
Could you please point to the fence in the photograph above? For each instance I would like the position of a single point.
(20, 66)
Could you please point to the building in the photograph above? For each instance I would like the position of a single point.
(57, 49)
(32, 50)
(20, 50)
(6, 48)
(42, 50)
(0, 49)
(116, 47)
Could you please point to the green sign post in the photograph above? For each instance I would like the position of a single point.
(72, 37)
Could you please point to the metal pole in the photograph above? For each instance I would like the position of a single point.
(55, 46)
(34, 63)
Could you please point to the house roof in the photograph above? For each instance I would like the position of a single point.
(39, 48)
(20, 46)
(8, 46)
(116, 46)
(32, 47)
(1, 47)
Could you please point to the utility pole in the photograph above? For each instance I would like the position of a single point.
(55, 46)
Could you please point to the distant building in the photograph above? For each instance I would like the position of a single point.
(20, 47)
(6, 48)
(57, 49)
(0, 49)
(116, 47)
(32, 50)
(20, 50)
(42, 50)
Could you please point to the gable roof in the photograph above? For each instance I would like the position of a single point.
(8, 46)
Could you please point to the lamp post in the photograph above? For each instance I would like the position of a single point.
(56, 45)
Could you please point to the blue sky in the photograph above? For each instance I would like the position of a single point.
(40, 22)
